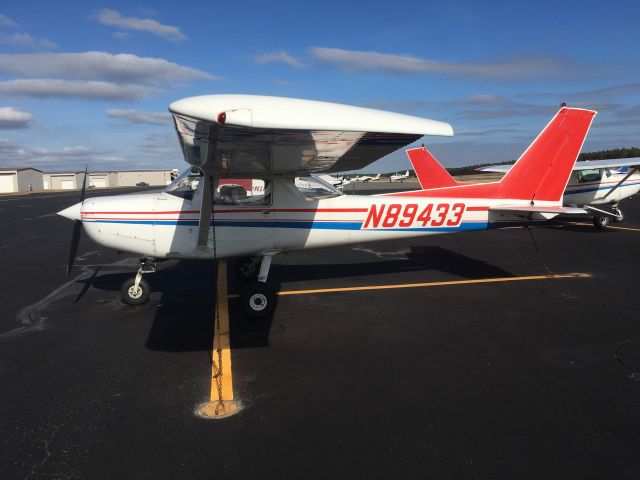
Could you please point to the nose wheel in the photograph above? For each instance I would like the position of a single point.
(136, 290)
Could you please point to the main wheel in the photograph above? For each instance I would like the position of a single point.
(601, 222)
(246, 269)
(258, 299)
(132, 296)
(619, 215)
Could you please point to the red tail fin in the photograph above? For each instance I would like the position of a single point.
(541, 173)
(543, 170)
(429, 171)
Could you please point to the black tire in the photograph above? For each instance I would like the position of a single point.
(601, 222)
(246, 270)
(258, 299)
(135, 298)
(619, 216)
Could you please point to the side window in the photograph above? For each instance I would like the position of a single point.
(243, 192)
(585, 176)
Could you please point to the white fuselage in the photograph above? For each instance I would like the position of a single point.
(162, 225)
(598, 191)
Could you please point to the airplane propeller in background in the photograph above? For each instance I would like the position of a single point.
(77, 228)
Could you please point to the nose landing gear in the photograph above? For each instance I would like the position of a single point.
(136, 290)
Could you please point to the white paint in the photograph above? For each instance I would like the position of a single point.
(7, 182)
(291, 113)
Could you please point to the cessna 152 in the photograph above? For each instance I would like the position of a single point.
(367, 178)
(591, 183)
(399, 176)
(272, 141)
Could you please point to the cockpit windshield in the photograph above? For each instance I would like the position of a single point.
(314, 188)
(185, 184)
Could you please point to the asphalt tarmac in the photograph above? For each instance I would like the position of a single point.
(513, 379)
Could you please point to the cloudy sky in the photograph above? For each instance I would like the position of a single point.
(90, 82)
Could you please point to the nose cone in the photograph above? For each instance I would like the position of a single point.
(72, 213)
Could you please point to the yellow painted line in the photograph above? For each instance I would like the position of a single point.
(433, 284)
(613, 227)
(221, 352)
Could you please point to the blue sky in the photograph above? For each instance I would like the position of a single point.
(91, 81)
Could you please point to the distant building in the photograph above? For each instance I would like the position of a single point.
(61, 180)
(14, 180)
(130, 178)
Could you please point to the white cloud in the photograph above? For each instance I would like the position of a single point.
(26, 40)
(120, 68)
(355, 61)
(139, 116)
(14, 118)
(67, 158)
(113, 18)
(121, 35)
(6, 21)
(278, 57)
(90, 90)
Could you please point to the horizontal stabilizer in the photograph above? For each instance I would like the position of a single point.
(524, 209)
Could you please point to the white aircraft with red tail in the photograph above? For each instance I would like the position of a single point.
(592, 182)
(240, 198)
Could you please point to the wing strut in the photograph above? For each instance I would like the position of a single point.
(206, 207)
(631, 172)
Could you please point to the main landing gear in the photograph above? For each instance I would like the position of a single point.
(602, 218)
(257, 296)
(136, 290)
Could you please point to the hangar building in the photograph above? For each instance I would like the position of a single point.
(13, 180)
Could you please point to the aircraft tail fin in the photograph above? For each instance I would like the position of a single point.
(543, 170)
(429, 171)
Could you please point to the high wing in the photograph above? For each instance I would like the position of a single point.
(248, 134)
(583, 165)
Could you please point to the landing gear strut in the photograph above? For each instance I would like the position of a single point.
(259, 297)
(619, 216)
(136, 290)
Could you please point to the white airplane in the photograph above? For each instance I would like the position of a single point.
(596, 182)
(367, 178)
(338, 182)
(271, 141)
(399, 176)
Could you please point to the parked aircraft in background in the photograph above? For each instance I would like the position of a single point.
(270, 141)
(593, 182)
(399, 177)
(366, 178)
(338, 182)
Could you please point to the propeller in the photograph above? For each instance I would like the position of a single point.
(77, 227)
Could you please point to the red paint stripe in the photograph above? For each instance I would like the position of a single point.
(227, 219)
(477, 209)
(236, 210)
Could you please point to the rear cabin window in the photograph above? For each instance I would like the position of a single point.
(593, 175)
(243, 192)
(314, 188)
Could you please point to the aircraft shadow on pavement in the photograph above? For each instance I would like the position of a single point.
(419, 258)
(184, 315)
